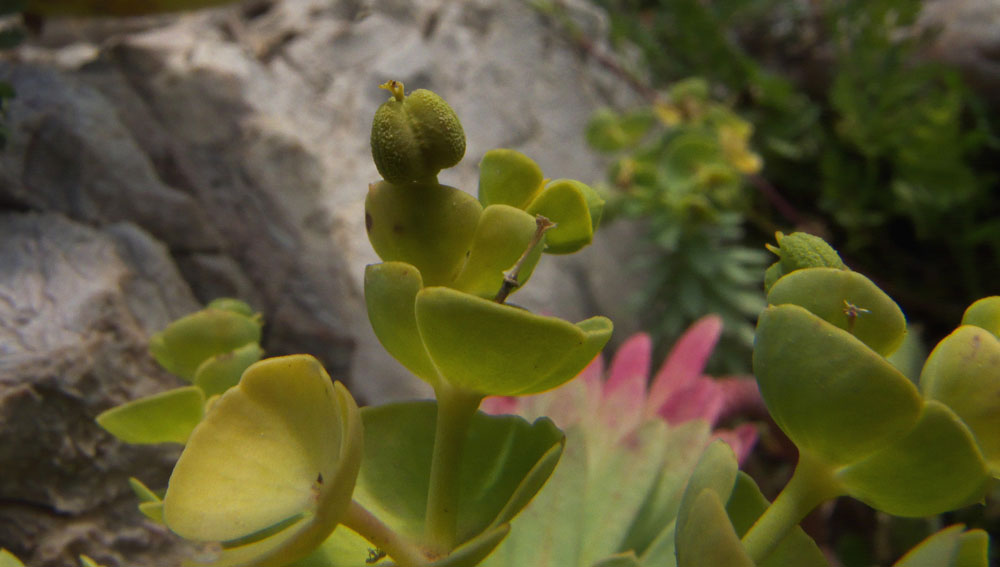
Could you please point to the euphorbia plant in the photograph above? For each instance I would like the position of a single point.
(862, 429)
(280, 467)
(283, 467)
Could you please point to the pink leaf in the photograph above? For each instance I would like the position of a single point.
(625, 390)
(742, 440)
(701, 399)
(686, 361)
(500, 405)
(742, 397)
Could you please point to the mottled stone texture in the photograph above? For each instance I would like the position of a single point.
(76, 308)
(155, 164)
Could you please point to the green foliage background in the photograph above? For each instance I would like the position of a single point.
(863, 141)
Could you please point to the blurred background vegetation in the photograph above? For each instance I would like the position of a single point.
(822, 116)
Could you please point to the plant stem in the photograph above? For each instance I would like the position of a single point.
(510, 277)
(455, 409)
(811, 484)
(404, 553)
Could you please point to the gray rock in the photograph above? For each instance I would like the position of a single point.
(78, 307)
(967, 36)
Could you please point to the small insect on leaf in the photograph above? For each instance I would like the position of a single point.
(852, 311)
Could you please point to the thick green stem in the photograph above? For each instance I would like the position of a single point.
(811, 484)
(454, 413)
(404, 553)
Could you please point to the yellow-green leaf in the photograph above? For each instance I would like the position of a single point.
(167, 417)
(271, 469)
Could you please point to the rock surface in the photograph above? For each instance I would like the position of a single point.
(157, 163)
(967, 36)
(77, 307)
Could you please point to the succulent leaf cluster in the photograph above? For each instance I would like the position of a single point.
(280, 466)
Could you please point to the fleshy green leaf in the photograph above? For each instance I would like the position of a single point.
(963, 372)
(472, 552)
(502, 236)
(271, 469)
(495, 349)
(150, 503)
(505, 461)
(830, 393)
(973, 550)
(565, 202)
(586, 512)
(234, 305)
(222, 371)
(949, 547)
(984, 313)
(429, 226)
(828, 293)
(7, 559)
(746, 504)
(167, 417)
(715, 472)
(508, 177)
(390, 294)
(684, 444)
(187, 342)
(707, 539)
(627, 559)
(935, 468)
(597, 331)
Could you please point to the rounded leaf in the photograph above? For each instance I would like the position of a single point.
(984, 313)
(272, 467)
(390, 295)
(502, 236)
(949, 547)
(500, 350)
(416, 136)
(597, 331)
(830, 393)
(829, 294)
(963, 372)
(567, 203)
(935, 468)
(167, 417)
(427, 225)
(223, 371)
(234, 305)
(187, 342)
(8, 559)
(508, 177)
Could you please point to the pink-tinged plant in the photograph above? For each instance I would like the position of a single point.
(678, 392)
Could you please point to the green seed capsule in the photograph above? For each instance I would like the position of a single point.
(800, 250)
(416, 136)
